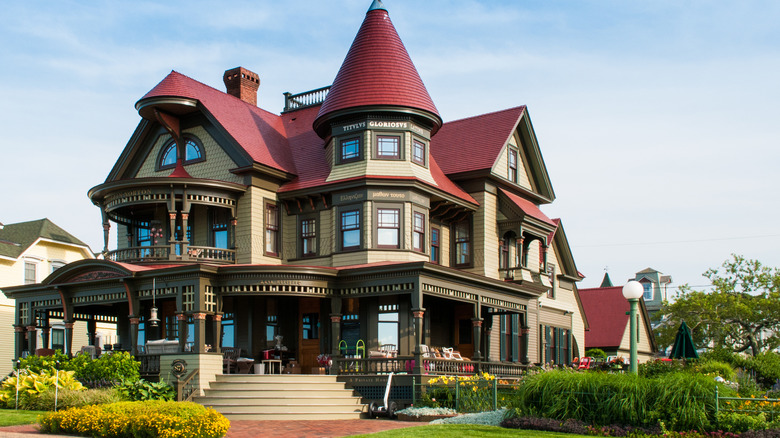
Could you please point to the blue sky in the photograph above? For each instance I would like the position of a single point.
(658, 121)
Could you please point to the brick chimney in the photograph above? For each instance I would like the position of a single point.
(242, 83)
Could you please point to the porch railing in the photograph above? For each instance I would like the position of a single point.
(150, 366)
(430, 366)
(188, 387)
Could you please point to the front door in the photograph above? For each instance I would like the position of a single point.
(309, 334)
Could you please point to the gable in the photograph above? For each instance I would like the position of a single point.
(474, 146)
(501, 166)
(216, 164)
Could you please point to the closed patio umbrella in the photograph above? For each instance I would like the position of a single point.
(683, 344)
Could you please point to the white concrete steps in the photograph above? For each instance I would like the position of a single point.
(281, 397)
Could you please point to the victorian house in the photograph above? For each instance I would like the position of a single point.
(356, 217)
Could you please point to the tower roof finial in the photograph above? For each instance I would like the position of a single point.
(377, 4)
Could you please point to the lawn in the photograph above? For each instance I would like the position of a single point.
(465, 430)
(11, 417)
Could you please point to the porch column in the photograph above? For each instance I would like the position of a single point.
(477, 336)
(335, 333)
(134, 322)
(31, 338)
(418, 314)
(19, 332)
(91, 330)
(200, 332)
(217, 345)
(68, 338)
(524, 334)
(45, 335)
(488, 331)
(185, 217)
(172, 237)
(106, 228)
(181, 320)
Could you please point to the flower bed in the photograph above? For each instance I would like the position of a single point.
(425, 414)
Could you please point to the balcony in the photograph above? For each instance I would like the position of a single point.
(163, 253)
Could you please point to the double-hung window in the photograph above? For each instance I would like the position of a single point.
(418, 232)
(462, 242)
(308, 237)
(512, 165)
(30, 272)
(435, 249)
(388, 147)
(388, 227)
(271, 230)
(350, 229)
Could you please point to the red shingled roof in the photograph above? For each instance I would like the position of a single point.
(529, 208)
(606, 310)
(377, 71)
(480, 137)
(260, 133)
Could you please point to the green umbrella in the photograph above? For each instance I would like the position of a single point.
(683, 344)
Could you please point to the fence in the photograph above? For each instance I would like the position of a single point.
(769, 406)
(463, 394)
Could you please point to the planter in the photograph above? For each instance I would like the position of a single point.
(423, 418)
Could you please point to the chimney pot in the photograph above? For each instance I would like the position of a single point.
(242, 83)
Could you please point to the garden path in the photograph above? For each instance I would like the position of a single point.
(269, 428)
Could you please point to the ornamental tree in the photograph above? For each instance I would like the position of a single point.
(741, 313)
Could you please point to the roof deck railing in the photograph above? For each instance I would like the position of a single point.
(306, 99)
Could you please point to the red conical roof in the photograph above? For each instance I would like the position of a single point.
(377, 72)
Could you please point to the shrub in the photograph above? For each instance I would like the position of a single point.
(714, 368)
(655, 368)
(741, 422)
(138, 419)
(36, 364)
(106, 370)
(67, 398)
(141, 390)
(31, 385)
(681, 400)
(596, 353)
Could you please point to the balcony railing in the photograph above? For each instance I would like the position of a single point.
(140, 254)
(302, 100)
(209, 254)
(163, 253)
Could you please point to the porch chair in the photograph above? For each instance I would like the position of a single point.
(450, 354)
(360, 349)
(230, 357)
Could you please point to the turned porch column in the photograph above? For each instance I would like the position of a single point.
(418, 314)
(134, 322)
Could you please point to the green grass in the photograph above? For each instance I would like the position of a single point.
(464, 430)
(11, 417)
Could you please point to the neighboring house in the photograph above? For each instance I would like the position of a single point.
(609, 323)
(29, 252)
(655, 285)
(356, 214)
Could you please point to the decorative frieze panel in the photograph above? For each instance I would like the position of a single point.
(214, 200)
(104, 297)
(133, 196)
(266, 288)
(159, 292)
(448, 292)
(383, 288)
(495, 302)
(54, 302)
(83, 316)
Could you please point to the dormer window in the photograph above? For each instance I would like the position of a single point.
(193, 153)
(648, 291)
(388, 147)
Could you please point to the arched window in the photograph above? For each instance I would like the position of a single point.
(193, 153)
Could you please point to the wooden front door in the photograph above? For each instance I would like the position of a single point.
(309, 333)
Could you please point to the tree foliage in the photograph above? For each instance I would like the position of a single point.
(741, 312)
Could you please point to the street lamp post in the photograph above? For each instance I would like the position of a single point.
(632, 291)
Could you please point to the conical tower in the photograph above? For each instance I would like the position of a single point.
(377, 77)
